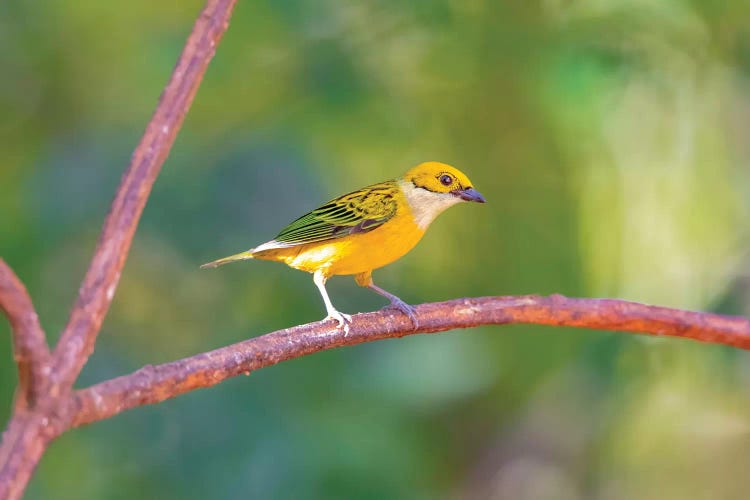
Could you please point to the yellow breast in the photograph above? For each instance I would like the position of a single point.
(355, 253)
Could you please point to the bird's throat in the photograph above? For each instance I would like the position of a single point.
(426, 205)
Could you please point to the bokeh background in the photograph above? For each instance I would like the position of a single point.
(609, 136)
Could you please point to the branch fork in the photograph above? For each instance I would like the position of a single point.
(46, 380)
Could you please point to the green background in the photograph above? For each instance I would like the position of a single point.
(610, 138)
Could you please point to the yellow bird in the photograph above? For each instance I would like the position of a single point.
(365, 230)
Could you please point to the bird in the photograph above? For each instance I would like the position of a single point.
(364, 230)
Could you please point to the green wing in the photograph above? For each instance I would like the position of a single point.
(357, 212)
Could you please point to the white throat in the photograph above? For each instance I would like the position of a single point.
(426, 205)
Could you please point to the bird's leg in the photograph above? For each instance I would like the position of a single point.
(365, 279)
(342, 319)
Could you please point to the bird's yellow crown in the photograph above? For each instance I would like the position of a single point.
(437, 177)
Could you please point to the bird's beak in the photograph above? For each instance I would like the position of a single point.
(469, 194)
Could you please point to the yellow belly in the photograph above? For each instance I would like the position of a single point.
(353, 254)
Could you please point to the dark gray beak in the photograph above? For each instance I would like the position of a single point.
(469, 194)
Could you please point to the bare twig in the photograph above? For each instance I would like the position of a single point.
(30, 350)
(98, 288)
(29, 433)
(153, 384)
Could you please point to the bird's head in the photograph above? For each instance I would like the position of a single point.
(442, 179)
(431, 187)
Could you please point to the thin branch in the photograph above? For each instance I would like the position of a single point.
(98, 288)
(30, 350)
(153, 384)
(29, 433)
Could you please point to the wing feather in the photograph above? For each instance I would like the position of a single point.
(356, 212)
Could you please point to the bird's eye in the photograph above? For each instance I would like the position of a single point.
(446, 180)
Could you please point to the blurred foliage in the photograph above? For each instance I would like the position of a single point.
(609, 136)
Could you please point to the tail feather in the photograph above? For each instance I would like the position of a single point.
(232, 258)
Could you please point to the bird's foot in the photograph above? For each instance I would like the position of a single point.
(343, 320)
(406, 309)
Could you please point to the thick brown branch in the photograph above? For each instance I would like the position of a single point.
(95, 295)
(30, 350)
(24, 441)
(29, 432)
(153, 384)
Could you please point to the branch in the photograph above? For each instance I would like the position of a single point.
(29, 433)
(30, 350)
(95, 295)
(153, 384)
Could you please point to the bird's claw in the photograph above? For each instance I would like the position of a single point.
(343, 320)
(405, 308)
